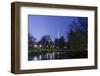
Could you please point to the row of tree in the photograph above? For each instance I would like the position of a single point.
(46, 41)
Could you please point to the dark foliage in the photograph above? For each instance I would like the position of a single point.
(77, 37)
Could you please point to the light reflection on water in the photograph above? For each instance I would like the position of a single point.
(48, 56)
(57, 55)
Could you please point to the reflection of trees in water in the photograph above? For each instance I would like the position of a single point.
(69, 54)
(48, 56)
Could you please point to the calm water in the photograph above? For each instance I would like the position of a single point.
(57, 55)
(49, 56)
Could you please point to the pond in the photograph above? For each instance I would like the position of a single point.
(49, 56)
(58, 55)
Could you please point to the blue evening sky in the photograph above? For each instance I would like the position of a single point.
(40, 25)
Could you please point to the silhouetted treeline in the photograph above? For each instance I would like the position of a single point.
(46, 42)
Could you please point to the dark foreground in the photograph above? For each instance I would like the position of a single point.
(49, 54)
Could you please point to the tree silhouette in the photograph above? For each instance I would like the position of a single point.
(46, 41)
(77, 36)
(61, 42)
(56, 43)
(31, 40)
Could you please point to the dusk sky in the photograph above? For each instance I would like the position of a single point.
(39, 25)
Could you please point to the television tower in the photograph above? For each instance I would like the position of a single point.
(58, 35)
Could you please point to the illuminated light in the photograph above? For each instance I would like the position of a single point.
(40, 46)
(35, 45)
(65, 47)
